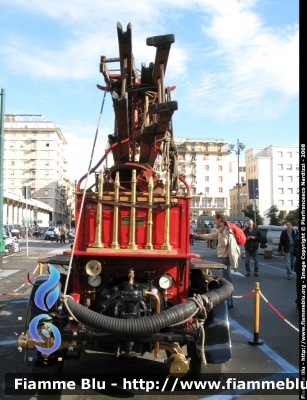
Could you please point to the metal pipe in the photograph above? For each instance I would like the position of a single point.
(166, 245)
(131, 278)
(149, 245)
(40, 269)
(98, 228)
(158, 309)
(115, 244)
(132, 245)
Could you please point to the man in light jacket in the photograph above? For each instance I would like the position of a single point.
(228, 251)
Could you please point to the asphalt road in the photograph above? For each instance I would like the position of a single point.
(278, 324)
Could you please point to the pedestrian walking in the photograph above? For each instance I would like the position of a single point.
(253, 238)
(56, 233)
(191, 236)
(286, 243)
(63, 233)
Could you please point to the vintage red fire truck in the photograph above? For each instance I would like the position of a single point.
(130, 281)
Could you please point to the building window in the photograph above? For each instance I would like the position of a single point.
(289, 167)
(280, 178)
(289, 178)
(279, 153)
(297, 167)
(280, 191)
(34, 133)
(220, 179)
(14, 134)
(12, 172)
(220, 167)
(206, 178)
(24, 134)
(22, 183)
(290, 191)
(206, 190)
(47, 134)
(47, 144)
(280, 202)
(12, 163)
(12, 183)
(280, 166)
(220, 190)
(47, 163)
(290, 203)
(241, 169)
(206, 167)
(289, 154)
(46, 173)
(46, 192)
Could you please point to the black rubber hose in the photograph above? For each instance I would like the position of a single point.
(156, 322)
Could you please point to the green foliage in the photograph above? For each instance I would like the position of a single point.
(294, 217)
(249, 213)
(272, 214)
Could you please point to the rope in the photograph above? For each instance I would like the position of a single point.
(82, 207)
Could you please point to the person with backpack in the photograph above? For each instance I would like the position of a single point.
(253, 238)
(227, 248)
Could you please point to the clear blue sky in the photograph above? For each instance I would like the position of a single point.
(235, 65)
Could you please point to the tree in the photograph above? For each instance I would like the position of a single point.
(249, 213)
(293, 216)
(272, 214)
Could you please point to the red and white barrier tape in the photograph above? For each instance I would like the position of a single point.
(243, 295)
(277, 312)
(25, 283)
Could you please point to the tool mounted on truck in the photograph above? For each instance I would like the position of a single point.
(129, 281)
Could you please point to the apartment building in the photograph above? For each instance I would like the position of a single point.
(34, 155)
(204, 165)
(277, 170)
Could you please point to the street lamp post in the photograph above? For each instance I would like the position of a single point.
(240, 147)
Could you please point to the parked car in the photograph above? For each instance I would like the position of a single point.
(49, 234)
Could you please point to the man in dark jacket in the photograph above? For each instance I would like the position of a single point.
(297, 269)
(253, 237)
(286, 243)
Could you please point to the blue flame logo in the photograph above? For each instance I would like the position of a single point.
(34, 333)
(45, 297)
(42, 295)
